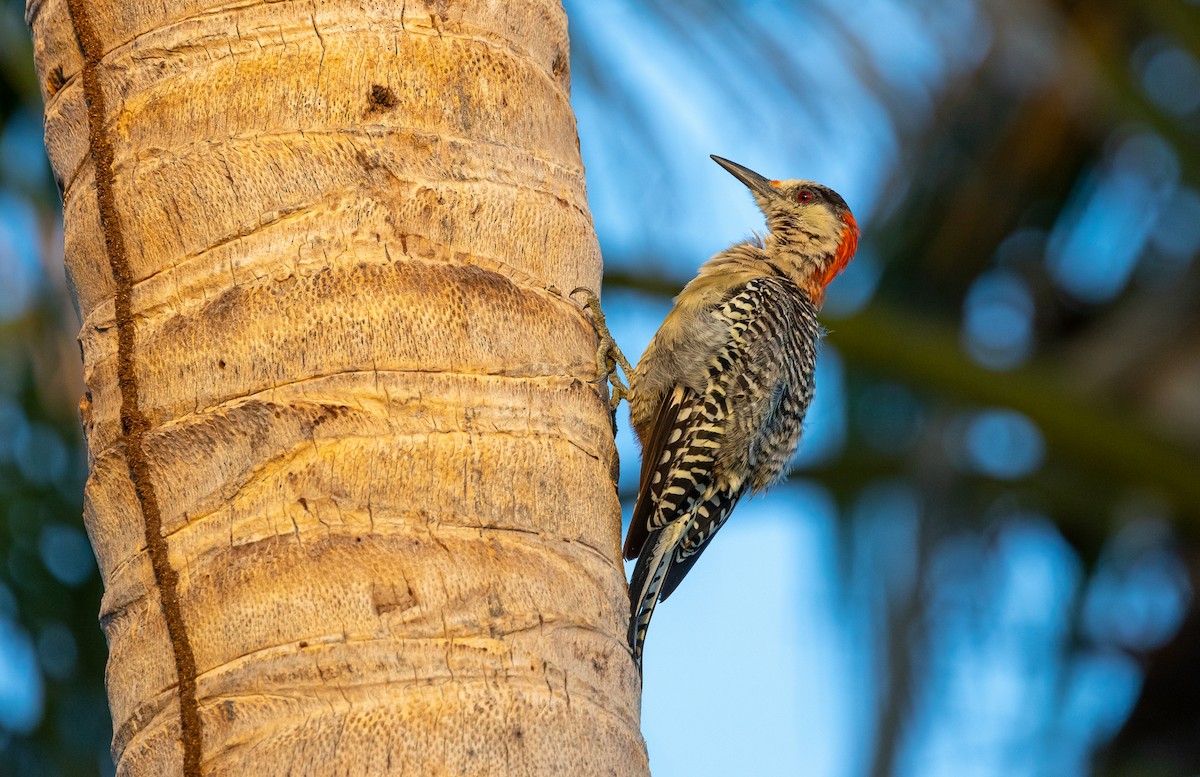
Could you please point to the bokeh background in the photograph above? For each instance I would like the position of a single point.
(984, 561)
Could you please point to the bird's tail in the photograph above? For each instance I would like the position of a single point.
(648, 575)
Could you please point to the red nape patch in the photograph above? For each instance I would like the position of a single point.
(845, 250)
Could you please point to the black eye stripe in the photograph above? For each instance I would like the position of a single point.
(820, 194)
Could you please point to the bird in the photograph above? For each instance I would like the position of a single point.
(718, 398)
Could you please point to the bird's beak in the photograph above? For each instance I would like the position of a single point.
(755, 182)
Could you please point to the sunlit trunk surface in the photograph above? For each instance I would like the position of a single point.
(350, 482)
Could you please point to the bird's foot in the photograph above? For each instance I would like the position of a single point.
(608, 355)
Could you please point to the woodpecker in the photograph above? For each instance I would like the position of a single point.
(718, 398)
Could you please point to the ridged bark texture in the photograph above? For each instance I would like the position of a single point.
(350, 485)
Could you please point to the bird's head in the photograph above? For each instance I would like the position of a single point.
(813, 234)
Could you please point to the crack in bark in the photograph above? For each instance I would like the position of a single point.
(184, 420)
(133, 422)
(97, 319)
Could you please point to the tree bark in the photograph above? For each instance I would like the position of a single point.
(350, 485)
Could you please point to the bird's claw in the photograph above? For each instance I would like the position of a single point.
(608, 355)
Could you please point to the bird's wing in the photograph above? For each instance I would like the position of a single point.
(658, 453)
(706, 521)
(675, 490)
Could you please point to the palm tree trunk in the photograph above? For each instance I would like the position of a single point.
(350, 483)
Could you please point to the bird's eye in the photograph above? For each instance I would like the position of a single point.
(805, 195)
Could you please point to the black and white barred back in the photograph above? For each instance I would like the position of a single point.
(708, 449)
